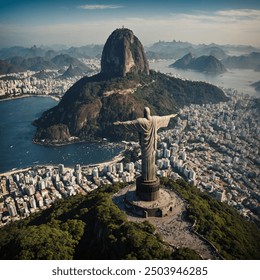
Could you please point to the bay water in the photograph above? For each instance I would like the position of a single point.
(16, 133)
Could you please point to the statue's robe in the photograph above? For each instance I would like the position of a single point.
(147, 129)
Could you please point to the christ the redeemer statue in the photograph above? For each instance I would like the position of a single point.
(148, 183)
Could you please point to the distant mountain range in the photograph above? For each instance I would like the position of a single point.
(8, 68)
(89, 51)
(62, 61)
(39, 58)
(177, 49)
(250, 61)
(207, 64)
(231, 56)
(169, 50)
(256, 85)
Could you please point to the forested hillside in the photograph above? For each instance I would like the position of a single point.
(93, 227)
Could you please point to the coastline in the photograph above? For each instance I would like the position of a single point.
(13, 171)
(29, 95)
(76, 140)
(114, 160)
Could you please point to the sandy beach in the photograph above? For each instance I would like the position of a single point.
(114, 160)
(13, 171)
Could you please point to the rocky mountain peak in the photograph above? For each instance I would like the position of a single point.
(123, 53)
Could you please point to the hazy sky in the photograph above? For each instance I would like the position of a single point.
(81, 22)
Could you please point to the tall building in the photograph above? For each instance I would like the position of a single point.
(27, 179)
(220, 195)
(120, 167)
(78, 177)
(77, 168)
(166, 153)
(160, 163)
(61, 169)
(30, 190)
(183, 155)
(3, 187)
(192, 175)
(42, 184)
(130, 167)
(166, 163)
(32, 202)
(12, 210)
(95, 172)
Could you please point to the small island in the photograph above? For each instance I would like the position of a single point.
(207, 64)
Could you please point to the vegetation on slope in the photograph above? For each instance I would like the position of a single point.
(232, 235)
(81, 227)
(93, 227)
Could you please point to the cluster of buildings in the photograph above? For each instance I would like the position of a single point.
(216, 147)
(37, 188)
(46, 82)
(27, 84)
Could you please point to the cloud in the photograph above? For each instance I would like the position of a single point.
(197, 27)
(99, 7)
(241, 26)
(221, 16)
(246, 13)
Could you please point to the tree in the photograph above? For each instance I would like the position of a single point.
(45, 243)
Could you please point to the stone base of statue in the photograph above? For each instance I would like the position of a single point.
(128, 200)
(147, 190)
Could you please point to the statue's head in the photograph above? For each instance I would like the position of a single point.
(147, 113)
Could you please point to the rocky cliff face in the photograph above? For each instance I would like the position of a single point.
(120, 92)
(123, 53)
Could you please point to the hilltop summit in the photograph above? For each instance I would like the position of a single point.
(123, 53)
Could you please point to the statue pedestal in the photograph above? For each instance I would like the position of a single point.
(147, 190)
(128, 200)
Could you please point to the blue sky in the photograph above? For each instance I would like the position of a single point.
(81, 22)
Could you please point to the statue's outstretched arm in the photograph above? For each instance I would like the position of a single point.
(173, 115)
(130, 125)
(164, 120)
(124, 123)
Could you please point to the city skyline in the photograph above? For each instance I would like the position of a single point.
(81, 22)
